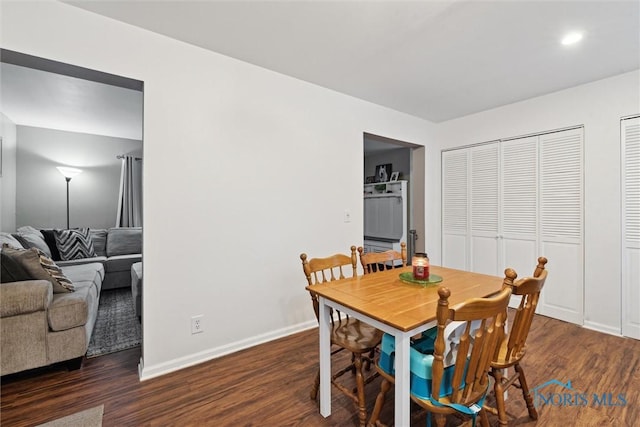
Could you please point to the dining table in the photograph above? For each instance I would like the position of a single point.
(390, 301)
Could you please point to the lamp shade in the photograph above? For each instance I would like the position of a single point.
(68, 172)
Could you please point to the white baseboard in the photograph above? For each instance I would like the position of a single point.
(594, 326)
(148, 372)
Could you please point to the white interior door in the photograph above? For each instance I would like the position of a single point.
(561, 224)
(485, 209)
(455, 209)
(630, 140)
(519, 202)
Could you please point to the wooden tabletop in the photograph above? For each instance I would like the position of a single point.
(404, 306)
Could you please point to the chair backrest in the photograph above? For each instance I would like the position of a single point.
(322, 270)
(529, 288)
(476, 348)
(377, 261)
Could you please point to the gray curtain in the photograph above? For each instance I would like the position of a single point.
(130, 200)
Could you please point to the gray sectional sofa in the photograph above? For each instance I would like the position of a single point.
(40, 328)
(117, 249)
(41, 325)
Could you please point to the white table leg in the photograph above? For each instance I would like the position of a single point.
(325, 359)
(402, 400)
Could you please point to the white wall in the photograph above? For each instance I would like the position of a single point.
(8, 179)
(598, 106)
(41, 189)
(225, 218)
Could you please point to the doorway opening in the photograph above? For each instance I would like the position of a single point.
(407, 164)
(56, 118)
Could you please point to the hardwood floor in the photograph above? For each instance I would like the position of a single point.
(268, 385)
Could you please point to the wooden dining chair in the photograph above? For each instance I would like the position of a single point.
(346, 333)
(447, 383)
(379, 261)
(372, 262)
(513, 347)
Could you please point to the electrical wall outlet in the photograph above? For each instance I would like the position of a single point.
(347, 215)
(197, 325)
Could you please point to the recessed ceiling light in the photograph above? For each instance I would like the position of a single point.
(571, 38)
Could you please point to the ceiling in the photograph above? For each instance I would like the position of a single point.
(437, 60)
(32, 97)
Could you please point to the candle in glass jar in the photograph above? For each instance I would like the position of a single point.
(420, 263)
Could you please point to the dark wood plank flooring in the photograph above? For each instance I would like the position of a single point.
(268, 385)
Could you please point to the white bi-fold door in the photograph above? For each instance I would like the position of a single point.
(520, 205)
(507, 202)
(630, 144)
(485, 209)
(561, 224)
(455, 208)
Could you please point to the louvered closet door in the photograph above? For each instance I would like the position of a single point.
(454, 208)
(561, 224)
(484, 208)
(519, 202)
(630, 138)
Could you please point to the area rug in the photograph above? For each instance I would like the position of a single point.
(91, 417)
(117, 327)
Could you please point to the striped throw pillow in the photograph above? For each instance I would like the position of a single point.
(36, 265)
(56, 273)
(74, 244)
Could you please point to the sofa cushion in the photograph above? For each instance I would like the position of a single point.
(71, 310)
(10, 240)
(124, 241)
(34, 239)
(39, 267)
(100, 259)
(121, 262)
(99, 238)
(74, 244)
(50, 240)
(93, 272)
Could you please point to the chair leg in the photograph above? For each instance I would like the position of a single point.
(384, 388)
(362, 409)
(441, 420)
(316, 384)
(498, 391)
(367, 363)
(484, 419)
(533, 414)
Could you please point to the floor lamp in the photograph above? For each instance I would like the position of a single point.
(68, 173)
